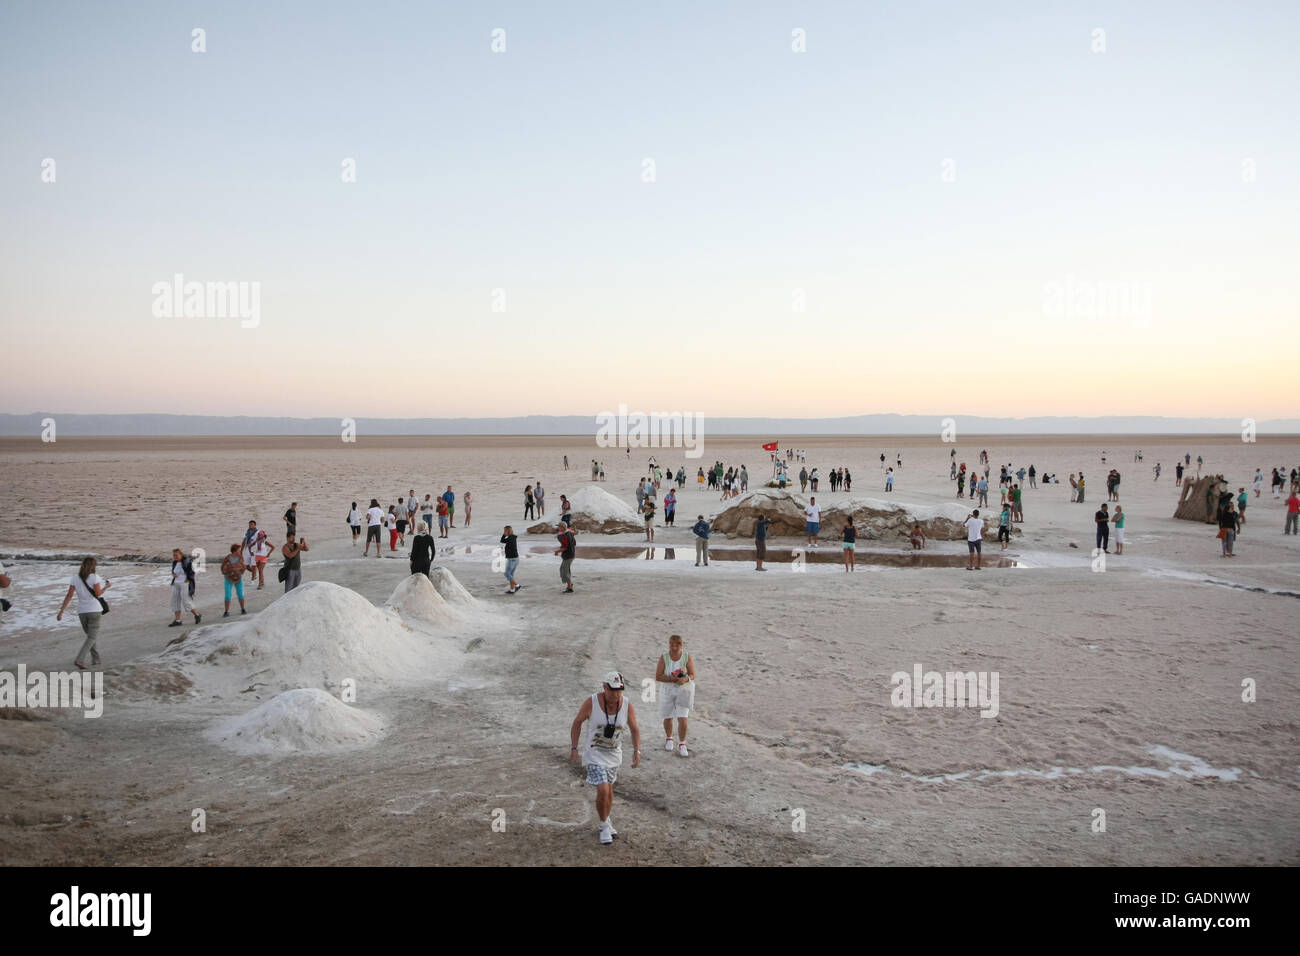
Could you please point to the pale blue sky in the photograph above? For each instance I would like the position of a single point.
(776, 171)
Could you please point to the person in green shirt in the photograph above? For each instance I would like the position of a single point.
(1118, 520)
(1242, 499)
(1004, 526)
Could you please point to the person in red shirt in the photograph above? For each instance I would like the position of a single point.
(1292, 514)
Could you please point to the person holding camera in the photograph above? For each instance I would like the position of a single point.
(676, 670)
(292, 551)
(608, 715)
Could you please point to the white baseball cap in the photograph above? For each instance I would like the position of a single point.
(614, 680)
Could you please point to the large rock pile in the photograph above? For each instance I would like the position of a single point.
(875, 519)
(595, 511)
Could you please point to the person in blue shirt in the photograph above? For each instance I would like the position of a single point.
(701, 530)
(760, 541)
(449, 497)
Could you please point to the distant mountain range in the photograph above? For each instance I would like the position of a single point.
(71, 425)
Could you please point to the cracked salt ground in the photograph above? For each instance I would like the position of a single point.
(1182, 765)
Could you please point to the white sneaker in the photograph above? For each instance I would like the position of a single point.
(681, 749)
(606, 834)
(609, 822)
(668, 744)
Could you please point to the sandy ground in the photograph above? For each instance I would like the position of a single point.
(1120, 690)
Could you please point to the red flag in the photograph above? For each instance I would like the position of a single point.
(770, 446)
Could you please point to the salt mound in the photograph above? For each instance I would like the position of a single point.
(595, 510)
(452, 591)
(305, 720)
(876, 519)
(315, 636)
(416, 599)
(594, 502)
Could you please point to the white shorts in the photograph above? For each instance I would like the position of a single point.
(1119, 535)
(676, 700)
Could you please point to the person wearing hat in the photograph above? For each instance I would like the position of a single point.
(607, 715)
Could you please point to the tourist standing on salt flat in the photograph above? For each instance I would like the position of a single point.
(374, 519)
(182, 587)
(354, 522)
(530, 503)
(399, 520)
(292, 551)
(676, 672)
(1004, 526)
(423, 550)
(974, 541)
(648, 512)
(1229, 525)
(232, 573)
(250, 544)
(670, 507)
(291, 518)
(539, 495)
(850, 537)
(88, 588)
(1292, 525)
(511, 544)
(427, 511)
(760, 541)
(444, 518)
(412, 509)
(262, 548)
(608, 715)
(701, 531)
(1118, 521)
(568, 550)
(1102, 518)
(813, 521)
(469, 508)
(449, 497)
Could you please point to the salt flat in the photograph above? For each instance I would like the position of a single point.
(1120, 690)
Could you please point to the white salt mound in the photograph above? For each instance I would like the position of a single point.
(317, 635)
(599, 505)
(452, 591)
(300, 721)
(417, 600)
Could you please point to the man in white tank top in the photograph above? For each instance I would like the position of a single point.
(607, 715)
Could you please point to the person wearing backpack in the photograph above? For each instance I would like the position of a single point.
(183, 582)
(88, 588)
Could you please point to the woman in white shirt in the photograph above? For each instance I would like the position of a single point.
(86, 586)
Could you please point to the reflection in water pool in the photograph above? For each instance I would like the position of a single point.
(829, 555)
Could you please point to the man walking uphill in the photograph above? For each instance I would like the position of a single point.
(607, 715)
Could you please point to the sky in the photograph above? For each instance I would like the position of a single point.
(933, 208)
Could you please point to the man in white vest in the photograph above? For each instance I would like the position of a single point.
(607, 715)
